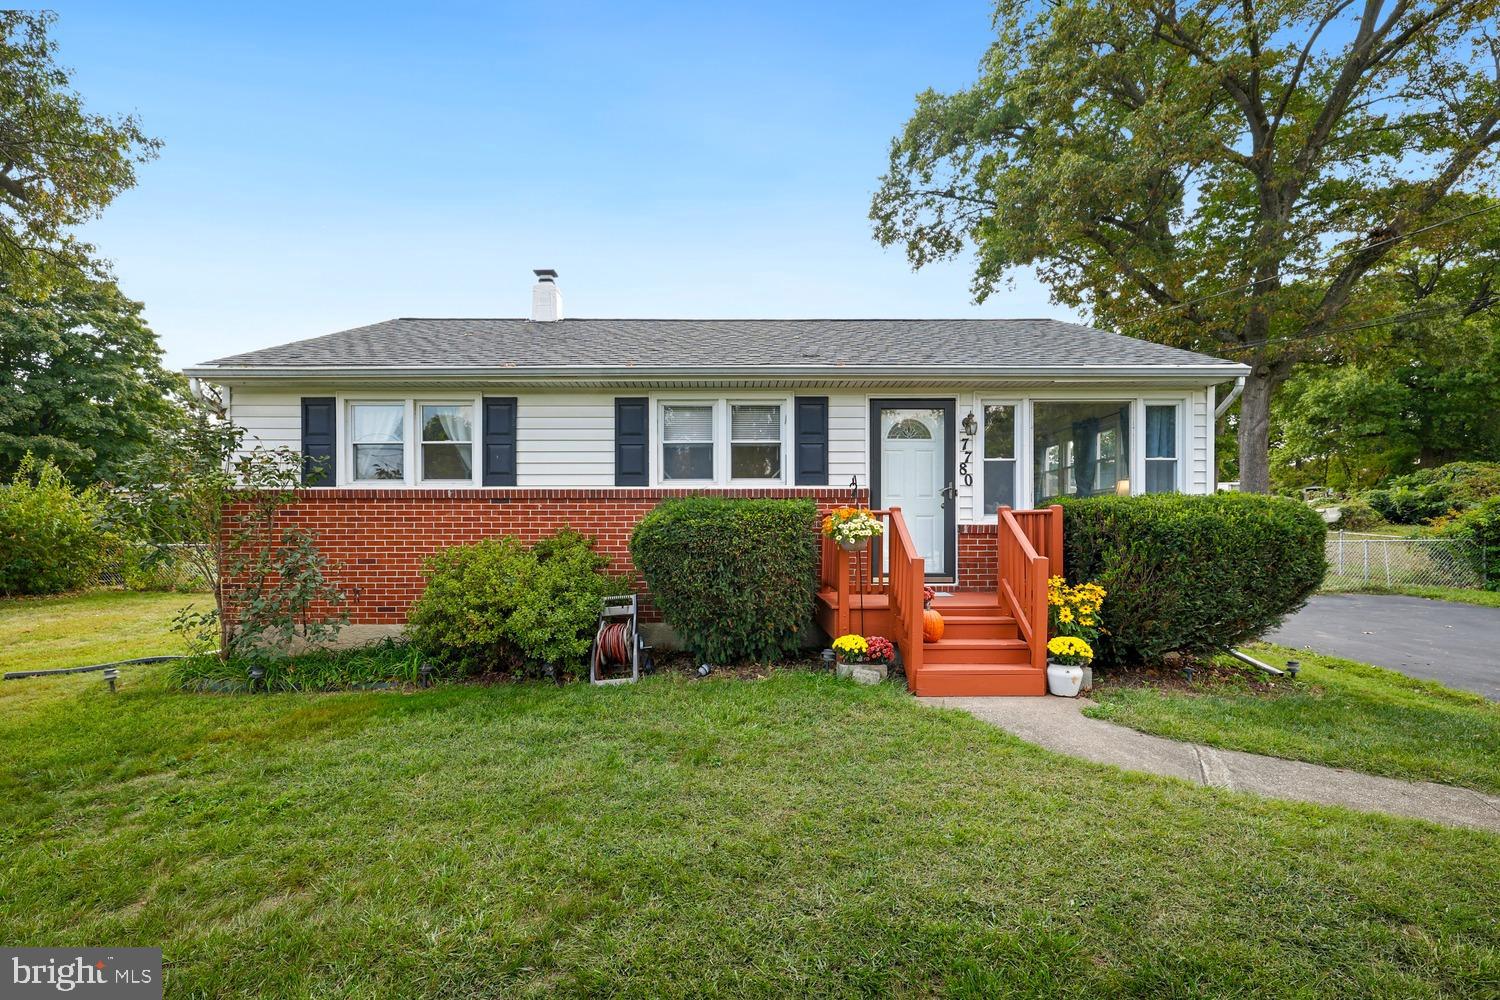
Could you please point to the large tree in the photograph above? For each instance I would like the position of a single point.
(84, 384)
(60, 164)
(1418, 388)
(1219, 176)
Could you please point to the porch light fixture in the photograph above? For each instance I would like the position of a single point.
(110, 676)
(1122, 488)
(970, 425)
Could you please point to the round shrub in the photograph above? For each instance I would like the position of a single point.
(1190, 573)
(52, 536)
(734, 578)
(498, 606)
(1411, 504)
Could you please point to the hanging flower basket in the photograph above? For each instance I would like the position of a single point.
(852, 527)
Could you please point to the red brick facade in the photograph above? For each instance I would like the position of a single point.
(378, 539)
(978, 556)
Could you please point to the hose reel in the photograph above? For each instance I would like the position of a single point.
(618, 642)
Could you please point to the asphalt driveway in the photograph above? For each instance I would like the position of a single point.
(1457, 644)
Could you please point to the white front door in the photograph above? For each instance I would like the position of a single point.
(911, 476)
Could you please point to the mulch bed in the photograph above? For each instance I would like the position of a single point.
(1192, 676)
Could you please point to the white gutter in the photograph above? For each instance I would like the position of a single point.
(1222, 372)
(1228, 401)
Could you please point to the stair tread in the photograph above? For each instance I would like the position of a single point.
(967, 643)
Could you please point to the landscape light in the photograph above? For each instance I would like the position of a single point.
(257, 674)
(426, 672)
(828, 658)
(1292, 666)
(110, 676)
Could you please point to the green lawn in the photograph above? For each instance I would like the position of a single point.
(40, 633)
(1337, 712)
(792, 836)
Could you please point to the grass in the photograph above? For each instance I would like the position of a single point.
(1463, 595)
(1337, 712)
(77, 630)
(790, 836)
(796, 835)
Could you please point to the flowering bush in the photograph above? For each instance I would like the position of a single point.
(851, 648)
(881, 649)
(1069, 650)
(851, 525)
(1074, 611)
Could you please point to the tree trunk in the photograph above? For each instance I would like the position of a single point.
(1255, 433)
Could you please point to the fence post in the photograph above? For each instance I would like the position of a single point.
(1364, 580)
(1386, 549)
(1341, 553)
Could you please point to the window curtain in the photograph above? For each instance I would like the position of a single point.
(448, 423)
(1161, 432)
(1085, 436)
(378, 423)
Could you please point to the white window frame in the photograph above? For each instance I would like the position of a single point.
(658, 434)
(346, 418)
(722, 428)
(1022, 423)
(475, 433)
(781, 439)
(1180, 405)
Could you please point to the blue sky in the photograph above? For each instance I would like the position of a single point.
(332, 167)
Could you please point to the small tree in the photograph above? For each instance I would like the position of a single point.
(196, 494)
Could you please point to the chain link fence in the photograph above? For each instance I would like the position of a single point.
(1359, 561)
(131, 571)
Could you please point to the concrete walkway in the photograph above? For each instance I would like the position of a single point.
(1059, 724)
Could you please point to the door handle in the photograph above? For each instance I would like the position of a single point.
(949, 494)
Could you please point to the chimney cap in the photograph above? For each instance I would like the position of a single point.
(545, 273)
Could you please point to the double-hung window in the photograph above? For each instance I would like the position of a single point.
(1161, 449)
(447, 441)
(378, 439)
(999, 456)
(687, 434)
(755, 441)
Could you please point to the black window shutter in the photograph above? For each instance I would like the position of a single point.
(499, 441)
(632, 441)
(319, 441)
(811, 439)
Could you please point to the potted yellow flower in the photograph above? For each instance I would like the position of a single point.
(1067, 656)
(1073, 622)
(851, 527)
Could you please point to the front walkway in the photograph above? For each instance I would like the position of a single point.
(1059, 724)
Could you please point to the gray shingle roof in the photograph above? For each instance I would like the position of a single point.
(716, 344)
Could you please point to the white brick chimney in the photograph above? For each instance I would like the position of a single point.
(546, 300)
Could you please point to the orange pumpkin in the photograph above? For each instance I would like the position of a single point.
(932, 625)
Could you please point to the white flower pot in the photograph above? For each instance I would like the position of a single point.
(1064, 681)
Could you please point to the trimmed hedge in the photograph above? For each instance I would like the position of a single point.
(1192, 573)
(734, 578)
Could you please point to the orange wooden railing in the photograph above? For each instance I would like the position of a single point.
(1030, 544)
(890, 566)
(908, 578)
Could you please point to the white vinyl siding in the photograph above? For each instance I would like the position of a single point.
(565, 439)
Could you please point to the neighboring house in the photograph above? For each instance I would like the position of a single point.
(437, 431)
